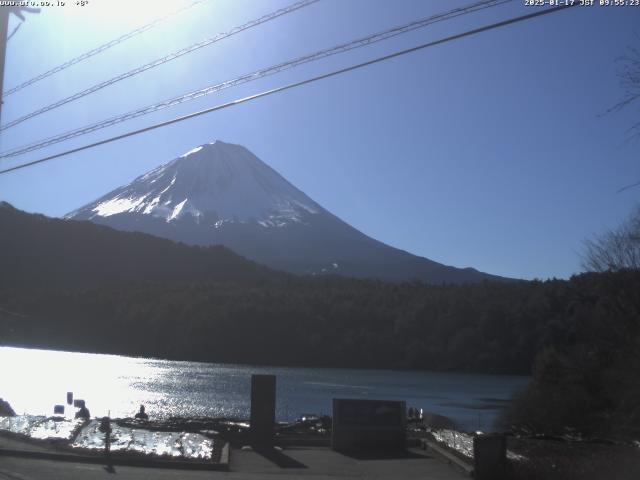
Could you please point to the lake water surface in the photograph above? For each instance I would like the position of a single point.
(33, 381)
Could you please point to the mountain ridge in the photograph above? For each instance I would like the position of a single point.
(220, 193)
(43, 252)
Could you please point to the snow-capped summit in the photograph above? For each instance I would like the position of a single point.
(216, 183)
(222, 194)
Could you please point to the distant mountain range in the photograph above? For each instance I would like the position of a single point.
(222, 194)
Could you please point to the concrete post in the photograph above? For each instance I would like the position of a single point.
(263, 408)
(490, 457)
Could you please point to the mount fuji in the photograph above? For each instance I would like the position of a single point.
(222, 194)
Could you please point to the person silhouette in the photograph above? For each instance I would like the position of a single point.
(141, 415)
(83, 412)
(105, 427)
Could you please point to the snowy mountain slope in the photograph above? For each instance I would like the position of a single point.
(219, 193)
(216, 181)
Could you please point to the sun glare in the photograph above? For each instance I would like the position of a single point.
(131, 13)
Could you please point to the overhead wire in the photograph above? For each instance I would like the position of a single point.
(101, 48)
(14, 31)
(160, 61)
(283, 88)
(256, 75)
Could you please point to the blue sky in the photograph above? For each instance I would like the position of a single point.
(489, 152)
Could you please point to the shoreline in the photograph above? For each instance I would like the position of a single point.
(117, 385)
(528, 457)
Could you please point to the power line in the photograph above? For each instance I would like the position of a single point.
(256, 75)
(632, 185)
(167, 58)
(14, 31)
(101, 48)
(333, 73)
(18, 10)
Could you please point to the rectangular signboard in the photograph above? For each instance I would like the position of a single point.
(368, 424)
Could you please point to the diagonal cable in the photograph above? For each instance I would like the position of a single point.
(160, 61)
(475, 31)
(344, 47)
(101, 48)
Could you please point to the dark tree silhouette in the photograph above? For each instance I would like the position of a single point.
(616, 249)
(629, 79)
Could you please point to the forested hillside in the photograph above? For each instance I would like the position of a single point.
(69, 288)
(41, 252)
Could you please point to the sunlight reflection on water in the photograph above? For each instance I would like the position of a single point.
(33, 381)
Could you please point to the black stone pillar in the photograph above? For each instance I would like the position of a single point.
(490, 457)
(263, 408)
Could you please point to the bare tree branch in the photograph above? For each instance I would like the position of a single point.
(616, 249)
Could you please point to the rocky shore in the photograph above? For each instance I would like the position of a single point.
(128, 438)
(5, 409)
